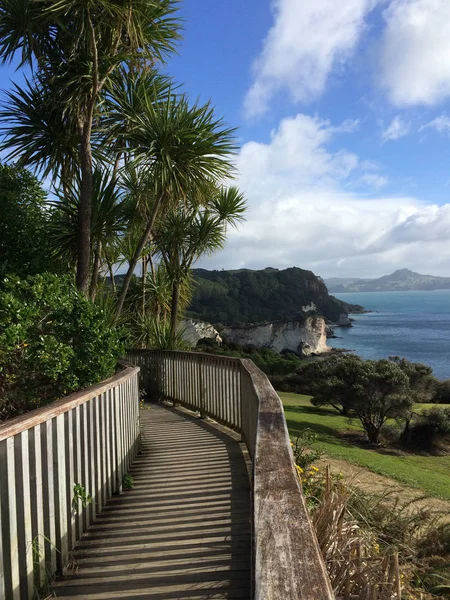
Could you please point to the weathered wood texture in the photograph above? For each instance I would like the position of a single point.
(183, 531)
(203, 382)
(286, 562)
(89, 438)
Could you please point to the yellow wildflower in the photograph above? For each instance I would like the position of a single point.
(313, 468)
(299, 469)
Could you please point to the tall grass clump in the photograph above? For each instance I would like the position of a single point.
(375, 545)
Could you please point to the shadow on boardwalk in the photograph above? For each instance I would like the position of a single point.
(183, 531)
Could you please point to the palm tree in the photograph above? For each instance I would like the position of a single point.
(109, 219)
(190, 232)
(183, 151)
(75, 47)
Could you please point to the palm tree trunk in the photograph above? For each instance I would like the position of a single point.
(144, 274)
(137, 253)
(111, 276)
(174, 309)
(95, 269)
(152, 266)
(85, 210)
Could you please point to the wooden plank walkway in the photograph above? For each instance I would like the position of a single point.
(183, 531)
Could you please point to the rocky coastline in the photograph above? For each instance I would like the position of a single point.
(306, 337)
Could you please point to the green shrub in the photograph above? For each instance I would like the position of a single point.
(442, 395)
(24, 247)
(53, 341)
(304, 449)
(428, 429)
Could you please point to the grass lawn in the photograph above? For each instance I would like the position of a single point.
(428, 473)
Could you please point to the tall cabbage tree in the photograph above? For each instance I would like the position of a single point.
(184, 151)
(190, 232)
(75, 47)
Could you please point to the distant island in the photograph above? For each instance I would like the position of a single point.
(402, 280)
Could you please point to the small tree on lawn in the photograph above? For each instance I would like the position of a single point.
(331, 382)
(373, 391)
(382, 392)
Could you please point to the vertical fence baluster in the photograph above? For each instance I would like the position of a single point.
(70, 478)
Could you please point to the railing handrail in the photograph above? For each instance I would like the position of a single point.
(287, 561)
(279, 509)
(224, 357)
(44, 413)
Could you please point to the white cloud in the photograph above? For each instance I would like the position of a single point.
(308, 39)
(397, 128)
(302, 213)
(297, 151)
(440, 124)
(415, 52)
(373, 180)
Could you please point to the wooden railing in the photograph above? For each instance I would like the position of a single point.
(287, 563)
(50, 459)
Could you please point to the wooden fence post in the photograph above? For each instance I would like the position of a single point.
(201, 390)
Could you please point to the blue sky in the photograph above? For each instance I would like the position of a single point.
(343, 116)
(343, 112)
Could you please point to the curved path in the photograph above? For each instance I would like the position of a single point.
(183, 531)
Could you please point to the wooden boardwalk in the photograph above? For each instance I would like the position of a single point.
(183, 531)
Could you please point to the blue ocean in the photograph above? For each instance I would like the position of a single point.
(415, 325)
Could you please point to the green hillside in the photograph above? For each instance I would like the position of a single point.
(246, 296)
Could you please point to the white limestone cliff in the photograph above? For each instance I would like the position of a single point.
(302, 337)
(194, 331)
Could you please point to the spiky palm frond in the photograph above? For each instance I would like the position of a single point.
(185, 148)
(149, 332)
(229, 205)
(127, 94)
(108, 218)
(37, 134)
(52, 32)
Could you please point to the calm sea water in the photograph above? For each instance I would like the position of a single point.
(415, 325)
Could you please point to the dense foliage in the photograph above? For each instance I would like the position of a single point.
(24, 247)
(52, 341)
(442, 395)
(244, 296)
(428, 429)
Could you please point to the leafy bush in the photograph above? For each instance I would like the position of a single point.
(24, 219)
(304, 450)
(438, 419)
(428, 429)
(442, 395)
(53, 341)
